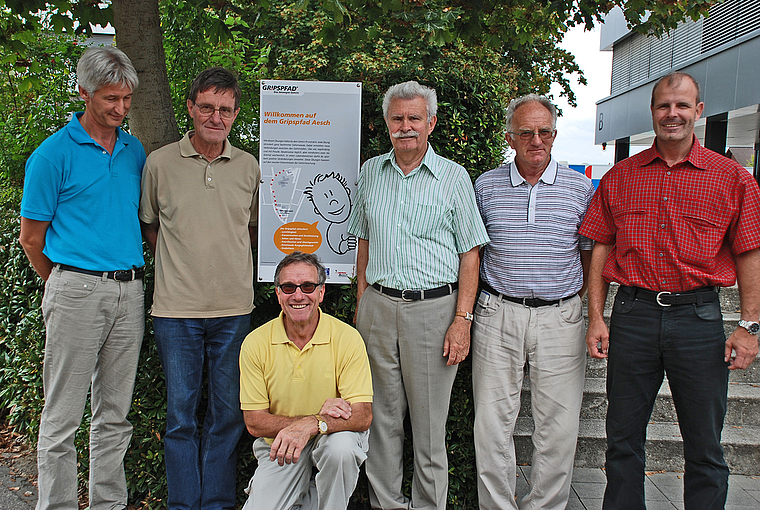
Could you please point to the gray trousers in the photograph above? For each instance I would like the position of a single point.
(551, 339)
(405, 347)
(337, 458)
(94, 333)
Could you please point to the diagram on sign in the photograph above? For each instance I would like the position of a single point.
(332, 201)
(331, 198)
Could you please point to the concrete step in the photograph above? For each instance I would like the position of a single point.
(741, 445)
(743, 403)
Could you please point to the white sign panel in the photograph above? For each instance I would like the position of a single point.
(309, 157)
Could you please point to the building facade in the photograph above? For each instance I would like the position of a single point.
(722, 51)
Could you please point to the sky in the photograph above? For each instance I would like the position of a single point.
(575, 128)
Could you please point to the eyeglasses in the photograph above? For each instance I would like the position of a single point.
(526, 136)
(306, 287)
(208, 110)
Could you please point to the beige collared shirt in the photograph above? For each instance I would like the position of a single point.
(204, 264)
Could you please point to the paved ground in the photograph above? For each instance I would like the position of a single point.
(664, 491)
(17, 491)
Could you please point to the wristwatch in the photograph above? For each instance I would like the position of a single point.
(467, 315)
(753, 328)
(321, 424)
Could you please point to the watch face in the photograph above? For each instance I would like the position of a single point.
(323, 426)
(754, 328)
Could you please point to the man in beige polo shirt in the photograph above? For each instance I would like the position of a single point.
(198, 212)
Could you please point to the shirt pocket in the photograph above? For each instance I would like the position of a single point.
(427, 221)
(631, 225)
(699, 236)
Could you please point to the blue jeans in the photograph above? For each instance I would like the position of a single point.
(687, 343)
(200, 472)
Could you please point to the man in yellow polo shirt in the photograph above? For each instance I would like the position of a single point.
(306, 393)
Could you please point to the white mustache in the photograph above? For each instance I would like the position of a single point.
(408, 134)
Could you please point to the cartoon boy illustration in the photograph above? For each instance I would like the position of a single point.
(332, 201)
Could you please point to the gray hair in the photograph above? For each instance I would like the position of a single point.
(674, 79)
(529, 98)
(411, 90)
(103, 66)
(300, 257)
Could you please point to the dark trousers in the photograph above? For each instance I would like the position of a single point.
(687, 343)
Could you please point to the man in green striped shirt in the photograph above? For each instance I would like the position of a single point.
(419, 234)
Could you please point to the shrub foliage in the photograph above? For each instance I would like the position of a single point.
(473, 83)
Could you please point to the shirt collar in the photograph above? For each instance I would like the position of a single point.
(187, 150)
(428, 161)
(80, 136)
(321, 335)
(548, 177)
(696, 155)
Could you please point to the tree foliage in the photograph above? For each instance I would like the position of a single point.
(38, 94)
(474, 83)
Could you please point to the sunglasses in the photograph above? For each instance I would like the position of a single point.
(306, 287)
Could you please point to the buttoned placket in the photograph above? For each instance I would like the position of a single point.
(298, 354)
(666, 194)
(208, 176)
(403, 184)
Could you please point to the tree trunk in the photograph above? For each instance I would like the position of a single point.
(138, 34)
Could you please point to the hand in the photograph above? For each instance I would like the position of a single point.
(745, 346)
(457, 343)
(290, 441)
(336, 408)
(597, 339)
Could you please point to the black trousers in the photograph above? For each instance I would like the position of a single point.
(687, 343)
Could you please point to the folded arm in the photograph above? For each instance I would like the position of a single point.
(291, 433)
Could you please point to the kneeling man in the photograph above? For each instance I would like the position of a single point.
(306, 393)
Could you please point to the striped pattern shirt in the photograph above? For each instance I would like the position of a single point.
(535, 245)
(416, 224)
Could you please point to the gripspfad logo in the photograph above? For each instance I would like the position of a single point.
(281, 88)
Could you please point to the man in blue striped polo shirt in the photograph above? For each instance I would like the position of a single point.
(419, 234)
(529, 310)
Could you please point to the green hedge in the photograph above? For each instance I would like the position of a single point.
(473, 84)
(21, 354)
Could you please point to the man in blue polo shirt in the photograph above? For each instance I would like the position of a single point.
(80, 231)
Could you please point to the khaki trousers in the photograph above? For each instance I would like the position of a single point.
(405, 347)
(337, 458)
(551, 339)
(94, 332)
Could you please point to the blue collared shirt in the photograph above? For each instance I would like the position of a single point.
(89, 196)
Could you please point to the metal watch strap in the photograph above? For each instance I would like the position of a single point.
(321, 424)
(752, 327)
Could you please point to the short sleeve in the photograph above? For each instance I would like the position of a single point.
(149, 210)
(354, 379)
(42, 185)
(469, 230)
(598, 223)
(253, 388)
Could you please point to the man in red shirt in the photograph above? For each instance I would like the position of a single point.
(672, 224)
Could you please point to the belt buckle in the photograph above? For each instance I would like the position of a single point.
(123, 275)
(403, 294)
(658, 298)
